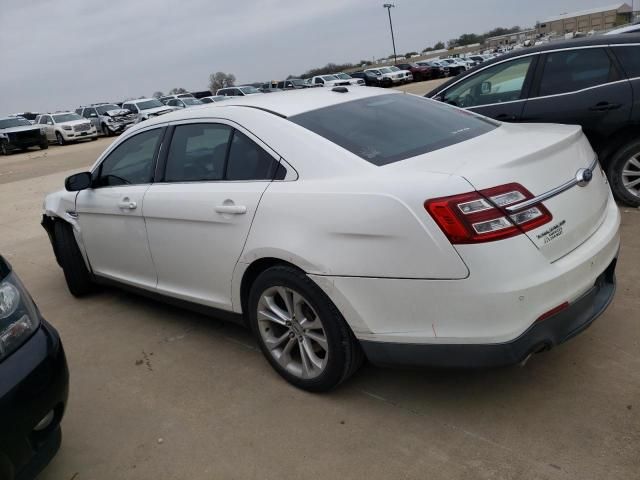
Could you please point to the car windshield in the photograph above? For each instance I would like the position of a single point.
(394, 69)
(329, 78)
(185, 95)
(297, 82)
(249, 90)
(66, 117)
(102, 109)
(191, 101)
(13, 122)
(386, 70)
(147, 104)
(343, 76)
(393, 127)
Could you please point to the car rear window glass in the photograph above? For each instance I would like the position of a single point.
(197, 153)
(573, 70)
(248, 161)
(393, 127)
(629, 58)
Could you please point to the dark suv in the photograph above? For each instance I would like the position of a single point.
(593, 82)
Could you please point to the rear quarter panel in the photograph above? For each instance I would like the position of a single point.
(374, 227)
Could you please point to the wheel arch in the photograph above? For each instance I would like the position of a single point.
(249, 275)
(618, 141)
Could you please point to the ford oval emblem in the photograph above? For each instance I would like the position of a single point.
(583, 177)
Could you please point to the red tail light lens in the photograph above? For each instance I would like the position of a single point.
(477, 217)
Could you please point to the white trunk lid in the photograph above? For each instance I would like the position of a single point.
(540, 158)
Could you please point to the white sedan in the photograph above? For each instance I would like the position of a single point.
(347, 223)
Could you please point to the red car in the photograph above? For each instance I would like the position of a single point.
(419, 72)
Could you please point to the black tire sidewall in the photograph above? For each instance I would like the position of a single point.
(59, 138)
(76, 273)
(339, 338)
(614, 173)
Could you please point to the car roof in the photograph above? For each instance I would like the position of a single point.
(593, 41)
(286, 104)
(140, 100)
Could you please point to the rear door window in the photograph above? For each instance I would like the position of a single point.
(249, 161)
(197, 152)
(573, 70)
(629, 58)
(393, 127)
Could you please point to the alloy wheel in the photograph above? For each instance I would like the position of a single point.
(631, 175)
(59, 138)
(292, 332)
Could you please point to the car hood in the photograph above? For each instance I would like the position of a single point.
(118, 112)
(21, 128)
(74, 122)
(158, 110)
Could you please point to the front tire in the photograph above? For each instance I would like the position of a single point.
(624, 174)
(75, 270)
(60, 139)
(300, 331)
(105, 130)
(44, 145)
(4, 150)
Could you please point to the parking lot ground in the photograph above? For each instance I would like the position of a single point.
(162, 393)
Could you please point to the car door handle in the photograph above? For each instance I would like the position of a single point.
(504, 117)
(605, 106)
(127, 204)
(231, 209)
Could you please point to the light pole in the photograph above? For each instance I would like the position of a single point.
(389, 6)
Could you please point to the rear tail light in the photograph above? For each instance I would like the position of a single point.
(477, 217)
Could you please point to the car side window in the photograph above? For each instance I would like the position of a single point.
(500, 83)
(172, 103)
(131, 163)
(629, 58)
(248, 161)
(573, 70)
(43, 120)
(129, 106)
(197, 152)
(89, 112)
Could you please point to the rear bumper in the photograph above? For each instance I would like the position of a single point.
(540, 336)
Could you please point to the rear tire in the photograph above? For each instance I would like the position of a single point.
(78, 277)
(317, 318)
(623, 170)
(4, 150)
(44, 146)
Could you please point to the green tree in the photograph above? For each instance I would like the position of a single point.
(158, 94)
(177, 90)
(438, 46)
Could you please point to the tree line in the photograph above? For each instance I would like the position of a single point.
(220, 80)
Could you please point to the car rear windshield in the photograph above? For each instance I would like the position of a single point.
(388, 128)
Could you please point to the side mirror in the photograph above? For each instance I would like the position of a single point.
(485, 88)
(77, 182)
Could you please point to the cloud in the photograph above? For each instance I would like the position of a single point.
(60, 54)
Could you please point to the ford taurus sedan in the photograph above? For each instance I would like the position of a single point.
(350, 223)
